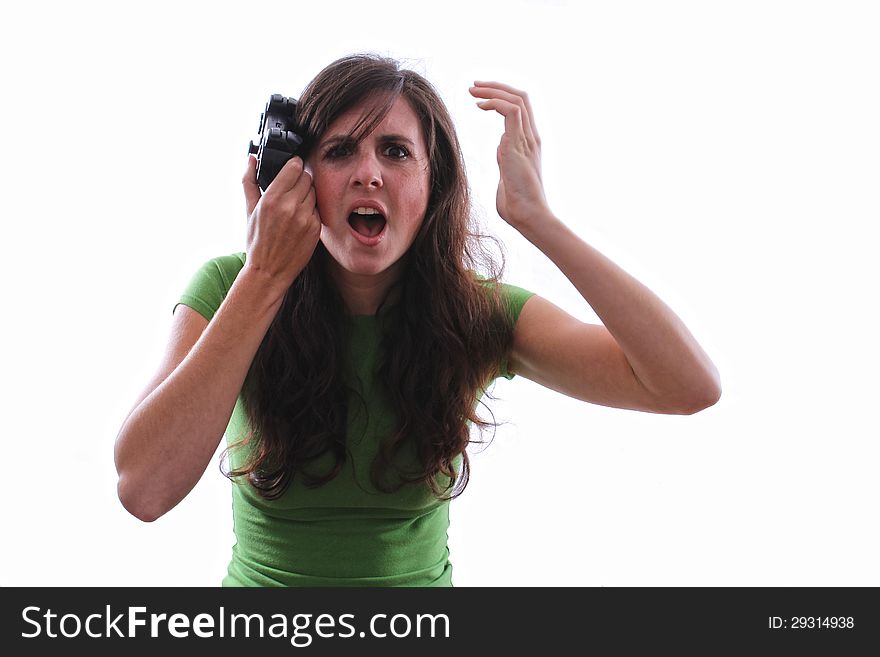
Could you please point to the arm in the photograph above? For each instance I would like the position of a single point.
(644, 357)
(168, 439)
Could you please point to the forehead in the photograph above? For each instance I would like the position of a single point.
(400, 120)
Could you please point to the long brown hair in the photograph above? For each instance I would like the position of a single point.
(442, 338)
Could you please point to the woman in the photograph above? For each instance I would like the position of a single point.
(345, 352)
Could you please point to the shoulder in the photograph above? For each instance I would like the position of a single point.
(228, 265)
(513, 296)
(210, 284)
(222, 269)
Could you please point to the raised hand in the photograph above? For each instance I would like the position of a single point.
(520, 198)
(283, 224)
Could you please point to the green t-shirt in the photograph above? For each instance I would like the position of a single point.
(346, 532)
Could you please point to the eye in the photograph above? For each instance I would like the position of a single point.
(337, 151)
(396, 152)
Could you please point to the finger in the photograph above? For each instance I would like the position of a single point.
(249, 182)
(486, 89)
(308, 203)
(512, 113)
(300, 189)
(314, 203)
(508, 93)
(288, 176)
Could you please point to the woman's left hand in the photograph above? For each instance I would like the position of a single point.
(520, 198)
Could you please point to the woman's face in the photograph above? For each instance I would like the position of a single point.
(387, 172)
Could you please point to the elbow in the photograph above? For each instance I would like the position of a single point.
(135, 504)
(698, 406)
(707, 396)
(688, 401)
(132, 495)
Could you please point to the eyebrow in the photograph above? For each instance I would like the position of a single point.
(340, 137)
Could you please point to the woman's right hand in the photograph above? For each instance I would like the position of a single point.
(283, 224)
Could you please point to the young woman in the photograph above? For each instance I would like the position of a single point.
(343, 354)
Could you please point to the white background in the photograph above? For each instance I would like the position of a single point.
(724, 153)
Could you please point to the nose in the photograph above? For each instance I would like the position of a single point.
(367, 171)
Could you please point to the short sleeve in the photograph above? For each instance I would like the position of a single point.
(210, 284)
(515, 298)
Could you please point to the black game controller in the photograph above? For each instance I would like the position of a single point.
(278, 142)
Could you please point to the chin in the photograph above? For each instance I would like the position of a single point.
(361, 266)
(354, 261)
(365, 270)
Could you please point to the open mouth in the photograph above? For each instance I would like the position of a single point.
(368, 225)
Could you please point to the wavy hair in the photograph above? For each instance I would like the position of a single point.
(443, 336)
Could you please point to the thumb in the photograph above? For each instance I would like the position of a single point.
(249, 182)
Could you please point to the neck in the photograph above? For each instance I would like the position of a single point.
(363, 293)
